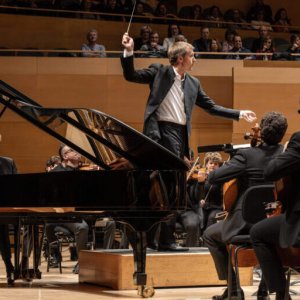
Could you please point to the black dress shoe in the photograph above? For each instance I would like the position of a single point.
(172, 247)
(152, 246)
(281, 296)
(10, 276)
(263, 295)
(224, 296)
(76, 269)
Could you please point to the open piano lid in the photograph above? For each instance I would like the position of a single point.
(100, 138)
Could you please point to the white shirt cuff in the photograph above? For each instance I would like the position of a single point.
(127, 53)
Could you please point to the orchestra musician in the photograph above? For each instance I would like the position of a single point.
(212, 200)
(192, 218)
(7, 166)
(173, 94)
(71, 161)
(282, 230)
(247, 166)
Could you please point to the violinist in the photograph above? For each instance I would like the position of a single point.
(212, 194)
(191, 218)
(282, 230)
(247, 166)
(70, 161)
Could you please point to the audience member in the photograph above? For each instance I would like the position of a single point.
(235, 16)
(162, 12)
(173, 31)
(125, 6)
(238, 48)
(68, 4)
(87, 8)
(154, 49)
(91, 45)
(294, 47)
(228, 43)
(113, 9)
(202, 44)
(140, 11)
(282, 20)
(44, 4)
(263, 32)
(214, 46)
(268, 48)
(258, 6)
(196, 15)
(144, 37)
(215, 15)
(180, 38)
(260, 20)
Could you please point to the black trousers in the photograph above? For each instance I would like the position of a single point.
(174, 138)
(191, 221)
(80, 231)
(265, 238)
(5, 247)
(210, 216)
(212, 238)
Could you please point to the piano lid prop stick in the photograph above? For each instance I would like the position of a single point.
(133, 9)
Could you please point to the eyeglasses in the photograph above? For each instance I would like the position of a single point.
(69, 150)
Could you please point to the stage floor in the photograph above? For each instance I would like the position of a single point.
(65, 286)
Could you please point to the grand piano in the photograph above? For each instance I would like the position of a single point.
(132, 193)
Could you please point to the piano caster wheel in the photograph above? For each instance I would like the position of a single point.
(146, 291)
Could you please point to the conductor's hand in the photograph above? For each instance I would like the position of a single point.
(248, 115)
(127, 42)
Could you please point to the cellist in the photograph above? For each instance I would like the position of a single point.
(282, 230)
(247, 166)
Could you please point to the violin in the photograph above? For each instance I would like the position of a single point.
(197, 176)
(88, 167)
(193, 170)
(255, 136)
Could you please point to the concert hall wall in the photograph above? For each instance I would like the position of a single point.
(99, 84)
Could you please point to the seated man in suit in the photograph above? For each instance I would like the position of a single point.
(71, 161)
(247, 166)
(282, 230)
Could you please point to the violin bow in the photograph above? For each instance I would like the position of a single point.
(192, 168)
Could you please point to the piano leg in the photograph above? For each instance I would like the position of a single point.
(37, 249)
(17, 249)
(139, 255)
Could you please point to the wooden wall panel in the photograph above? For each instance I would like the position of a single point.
(267, 89)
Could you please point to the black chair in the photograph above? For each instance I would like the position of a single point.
(63, 236)
(253, 211)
